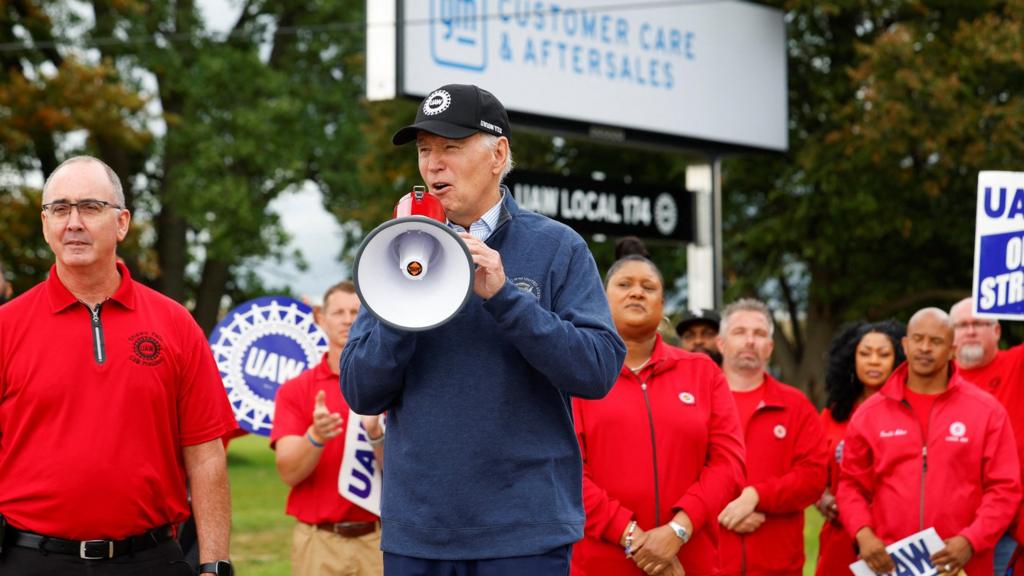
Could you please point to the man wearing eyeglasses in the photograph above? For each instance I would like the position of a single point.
(1001, 373)
(109, 401)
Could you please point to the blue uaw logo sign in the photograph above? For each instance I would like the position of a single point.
(258, 346)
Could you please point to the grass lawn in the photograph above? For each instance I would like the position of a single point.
(261, 532)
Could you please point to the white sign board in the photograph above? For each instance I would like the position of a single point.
(709, 71)
(360, 479)
(912, 556)
(999, 246)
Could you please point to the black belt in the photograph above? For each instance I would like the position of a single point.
(90, 549)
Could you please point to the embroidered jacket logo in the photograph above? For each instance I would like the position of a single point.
(527, 285)
(957, 433)
(147, 349)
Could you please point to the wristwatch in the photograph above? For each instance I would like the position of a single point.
(220, 568)
(680, 531)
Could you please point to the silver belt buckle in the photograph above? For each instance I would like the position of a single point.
(84, 555)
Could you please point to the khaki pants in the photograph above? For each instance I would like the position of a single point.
(321, 553)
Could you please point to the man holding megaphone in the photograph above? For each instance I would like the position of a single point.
(483, 472)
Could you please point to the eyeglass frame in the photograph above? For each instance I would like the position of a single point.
(74, 206)
(977, 324)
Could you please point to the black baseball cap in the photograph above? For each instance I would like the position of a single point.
(699, 316)
(457, 111)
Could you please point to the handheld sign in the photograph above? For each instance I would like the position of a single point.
(912, 556)
(360, 478)
(258, 346)
(999, 246)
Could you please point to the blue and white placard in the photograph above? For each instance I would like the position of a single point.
(999, 246)
(258, 346)
(360, 479)
(912, 556)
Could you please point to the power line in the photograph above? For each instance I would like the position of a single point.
(175, 38)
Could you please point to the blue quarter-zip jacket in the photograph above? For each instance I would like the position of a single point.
(481, 459)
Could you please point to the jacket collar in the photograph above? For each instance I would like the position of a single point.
(773, 397)
(509, 208)
(660, 360)
(896, 386)
(61, 298)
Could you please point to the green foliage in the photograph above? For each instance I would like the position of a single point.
(894, 108)
(205, 128)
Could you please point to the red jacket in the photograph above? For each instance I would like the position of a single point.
(786, 464)
(699, 452)
(836, 551)
(964, 480)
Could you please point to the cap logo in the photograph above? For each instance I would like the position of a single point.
(437, 102)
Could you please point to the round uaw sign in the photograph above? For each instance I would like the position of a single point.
(258, 346)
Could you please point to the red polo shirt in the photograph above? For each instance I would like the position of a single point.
(94, 414)
(316, 499)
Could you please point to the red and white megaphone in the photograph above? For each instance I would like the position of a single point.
(413, 272)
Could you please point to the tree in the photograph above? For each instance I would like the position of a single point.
(894, 108)
(205, 128)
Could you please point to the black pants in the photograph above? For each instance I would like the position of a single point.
(163, 560)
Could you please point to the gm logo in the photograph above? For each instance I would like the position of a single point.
(458, 33)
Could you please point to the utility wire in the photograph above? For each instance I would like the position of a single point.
(183, 37)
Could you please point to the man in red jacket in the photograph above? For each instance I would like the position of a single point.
(927, 451)
(786, 457)
(998, 372)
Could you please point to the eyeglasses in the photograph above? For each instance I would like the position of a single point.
(86, 208)
(975, 324)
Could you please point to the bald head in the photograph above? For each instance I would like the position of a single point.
(935, 314)
(929, 342)
(115, 182)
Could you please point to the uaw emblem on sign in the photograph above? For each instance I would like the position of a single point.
(258, 346)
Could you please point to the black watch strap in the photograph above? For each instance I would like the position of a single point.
(220, 568)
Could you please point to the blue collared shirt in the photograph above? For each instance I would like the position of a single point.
(485, 225)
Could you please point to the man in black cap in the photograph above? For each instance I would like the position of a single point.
(698, 330)
(483, 471)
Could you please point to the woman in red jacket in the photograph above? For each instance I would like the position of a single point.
(662, 453)
(860, 360)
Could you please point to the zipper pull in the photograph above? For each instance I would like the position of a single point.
(924, 457)
(643, 386)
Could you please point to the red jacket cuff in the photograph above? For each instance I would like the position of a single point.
(695, 509)
(617, 525)
(765, 495)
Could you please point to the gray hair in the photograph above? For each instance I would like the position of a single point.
(115, 182)
(492, 142)
(747, 305)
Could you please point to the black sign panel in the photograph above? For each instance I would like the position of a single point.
(613, 209)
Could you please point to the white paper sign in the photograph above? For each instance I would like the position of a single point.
(360, 478)
(912, 556)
